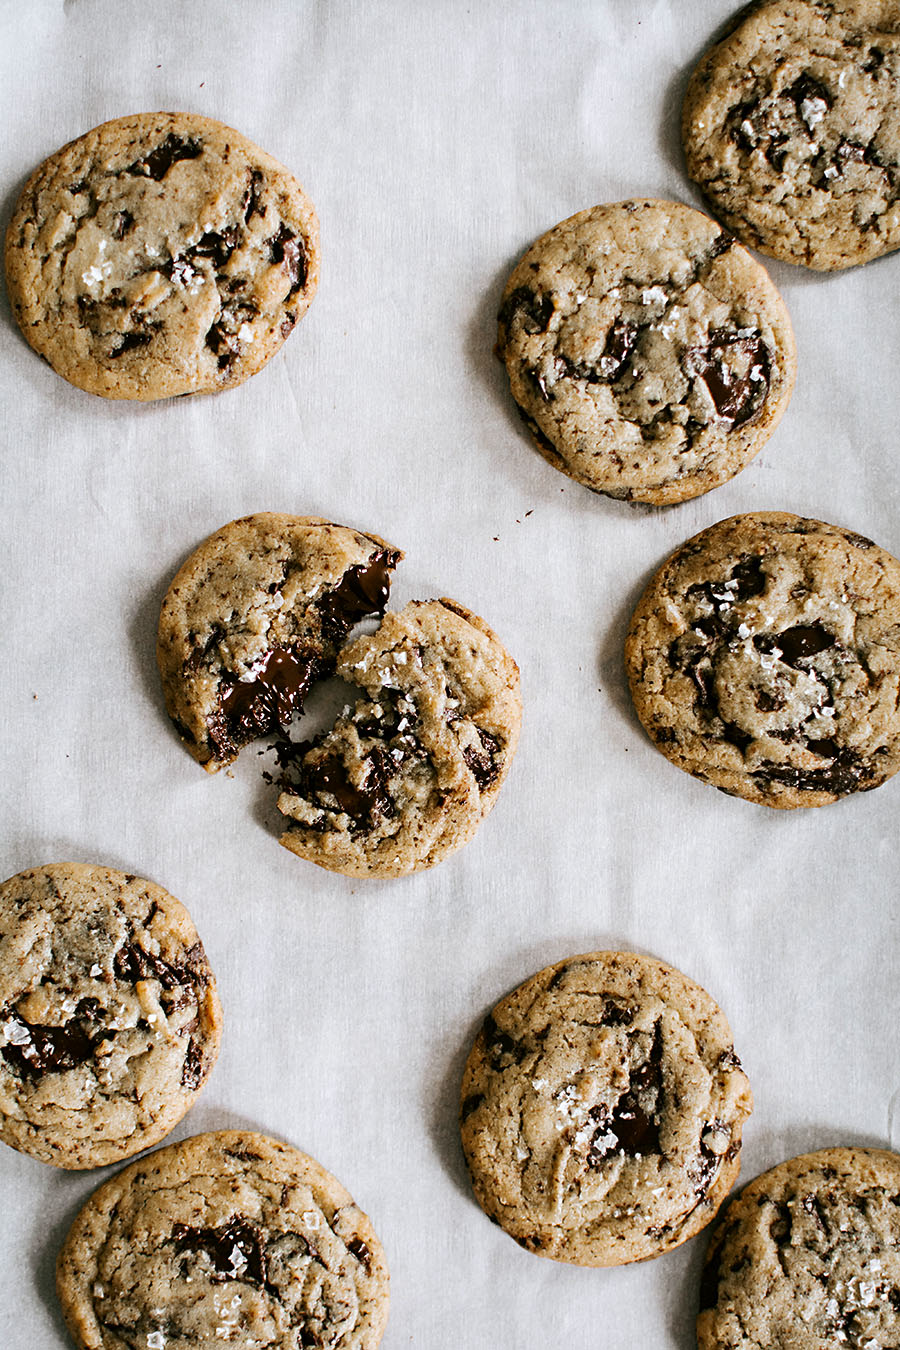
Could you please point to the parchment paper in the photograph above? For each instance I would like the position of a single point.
(437, 139)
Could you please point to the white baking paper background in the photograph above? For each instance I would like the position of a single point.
(437, 138)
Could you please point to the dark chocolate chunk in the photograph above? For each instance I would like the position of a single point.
(803, 641)
(123, 222)
(533, 311)
(811, 99)
(158, 163)
(362, 590)
(364, 804)
(735, 368)
(485, 764)
(287, 249)
(216, 244)
(252, 197)
(620, 341)
(236, 1249)
(629, 1127)
(132, 963)
(126, 342)
(361, 1252)
(36, 1050)
(257, 707)
(501, 1050)
(192, 1068)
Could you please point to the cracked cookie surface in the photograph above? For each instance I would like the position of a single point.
(764, 658)
(650, 355)
(109, 1018)
(254, 616)
(601, 1110)
(808, 1256)
(408, 774)
(228, 1237)
(160, 254)
(791, 128)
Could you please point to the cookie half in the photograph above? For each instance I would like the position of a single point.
(601, 1110)
(407, 775)
(650, 355)
(808, 1256)
(254, 616)
(160, 254)
(764, 658)
(228, 1237)
(791, 127)
(109, 1018)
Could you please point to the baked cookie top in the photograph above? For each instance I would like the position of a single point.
(791, 127)
(764, 658)
(228, 1237)
(160, 254)
(254, 616)
(109, 1018)
(601, 1110)
(407, 775)
(650, 355)
(808, 1256)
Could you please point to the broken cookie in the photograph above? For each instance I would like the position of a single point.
(261, 611)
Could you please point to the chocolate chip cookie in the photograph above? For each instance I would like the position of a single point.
(791, 127)
(109, 1018)
(650, 355)
(764, 658)
(228, 1237)
(160, 254)
(254, 616)
(601, 1110)
(408, 774)
(808, 1256)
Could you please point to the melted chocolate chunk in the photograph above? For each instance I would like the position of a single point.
(845, 774)
(628, 1128)
(236, 1249)
(362, 590)
(158, 163)
(364, 804)
(36, 1050)
(485, 764)
(533, 311)
(126, 342)
(257, 707)
(802, 642)
(287, 249)
(738, 397)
